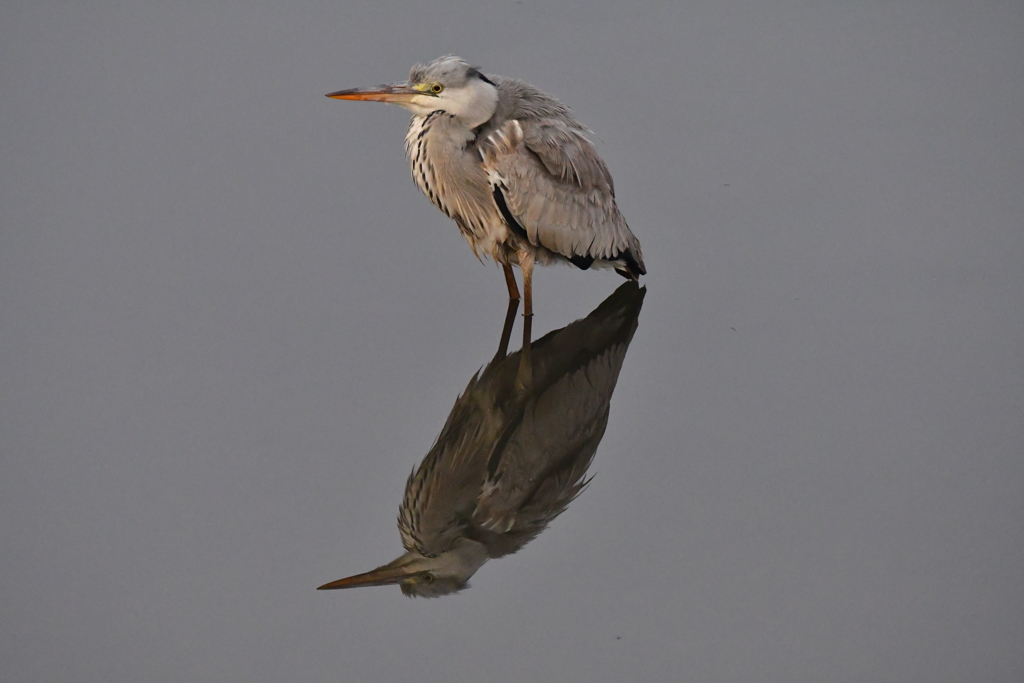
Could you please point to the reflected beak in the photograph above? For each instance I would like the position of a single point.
(393, 92)
(391, 573)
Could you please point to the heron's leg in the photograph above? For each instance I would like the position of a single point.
(526, 264)
(510, 280)
(506, 331)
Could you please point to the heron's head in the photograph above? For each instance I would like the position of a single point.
(421, 576)
(447, 84)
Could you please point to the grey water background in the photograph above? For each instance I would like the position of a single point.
(230, 326)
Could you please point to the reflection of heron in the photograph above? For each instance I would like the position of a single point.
(513, 453)
(513, 168)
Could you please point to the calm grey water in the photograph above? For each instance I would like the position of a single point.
(231, 326)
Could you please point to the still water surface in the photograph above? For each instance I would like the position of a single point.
(232, 327)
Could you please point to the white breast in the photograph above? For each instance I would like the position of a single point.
(454, 180)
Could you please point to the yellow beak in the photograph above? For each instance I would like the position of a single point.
(393, 92)
(393, 572)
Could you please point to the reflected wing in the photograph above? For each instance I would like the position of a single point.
(553, 189)
(512, 455)
(443, 488)
(545, 453)
(537, 466)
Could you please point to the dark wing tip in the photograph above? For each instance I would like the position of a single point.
(582, 262)
(633, 269)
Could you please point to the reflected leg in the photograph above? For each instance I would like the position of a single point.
(506, 330)
(524, 375)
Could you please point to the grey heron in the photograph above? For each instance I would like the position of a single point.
(513, 453)
(513, 168)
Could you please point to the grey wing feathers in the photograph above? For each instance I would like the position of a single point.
(556, 187)
(567, 154)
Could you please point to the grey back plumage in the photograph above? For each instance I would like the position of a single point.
(552, 133)
(557, 190)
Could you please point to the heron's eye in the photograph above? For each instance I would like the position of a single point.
(436, 88)
(428, 578)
